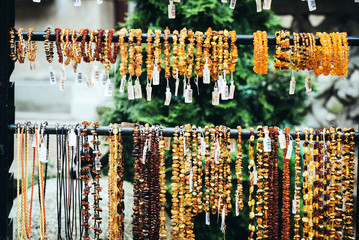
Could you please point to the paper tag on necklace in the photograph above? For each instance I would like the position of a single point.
(233, 145)
(168, 96)
(224, 1)
(237, 205)
(33, 142)
(255, 177)
(188, 96)
(176, 87)
(203, 146)
(99, 1)
(208, 219)
(231, 90)
(72, 138)
(33, 66)
(130, 91)
(292, 87)
(311, 5)
(177, 1)
(74, 66)
(36, 1)
(191, 180)
(232, 4)
(96, 74)
(138, 89)
(217, 153)
(77, 3)
(288, 154)
(219, 206)
(144, 153)
(108, 88)
(52, 76)
(103, 76)
(259, 5)
(308, 83)
(89, 80)
(148, 92)
(171, 10)
(294, 206)
(43, 154)
(281, 139)
(344, 207)
(79, 76)
(123, 84)
(215, 97)
(267, 4)
(97, 163)
(63, 78)
(206, 75)
(156, 76)
(223, 218)
(197, 85)
(225, 94)
(267, 145)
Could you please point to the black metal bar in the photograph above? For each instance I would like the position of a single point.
(241, 39)
(7, 20)
(167, 131)
(357, 195)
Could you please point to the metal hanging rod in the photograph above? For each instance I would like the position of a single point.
(167, 131)
(241, 39)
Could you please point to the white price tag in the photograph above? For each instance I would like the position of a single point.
(177, 85)
(259, 5)
(79, 76)
(33, 140)
(36, 1)
(255, 177)
(33, 66)
(156, 76)
(215, 97)
(208, 219)
(144, 153)
(267, 4)
(217, 153)
(72, 138)
(232, 4)
(237, 205)
(292, 87)
(108, 88)
(289, 150)
(223, 217)
(43, 154)
(191, 180)
(63, 78)
(232, 88)
(233, 145)
(168, 96)
(97, 163)
(203, 146)
(311, 5)
(77, 3)
(294, 206)
(267, 145)
(177, 1)
(103, 76)
(74, 66)
(89, 80)
(99, 1)
(95, 74)
(138, 89)
(225, 94)
(224, 1)
(281, 139)
(171, 11)
(52, 76)
(130, 91)
(188, 94)
(148, 92)
(308, 83)
(206, 74)
(123, 84)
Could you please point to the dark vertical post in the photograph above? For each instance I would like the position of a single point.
(356, 228)
(7, 116)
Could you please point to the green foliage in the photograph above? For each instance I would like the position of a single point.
(259, 100)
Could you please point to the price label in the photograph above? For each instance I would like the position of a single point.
(43, 155)
(33, 66)
(267, 145)
(203, 146)
(123, 84)
(168, 96)
(233, 145)
(79, 76)
(108, 88)
(308, 83)
(206, 75)
(191, 180)
(74, 66)
(232, 4)
(208, 219)
(103, 77)
(77, 3)
(292, 87)
(215, 97)
(224, 1)
(156, 77)
(188, 95)
(130, 91)
(294, 206)
(171, 11)
(97, 163)
(225, 94)
(96, 74)
(138, 89)
(36, 1)
(237, 205)
(99, 1)
(89, 80)
(289, 150)
(148, 92)
(63, 78)
(176, 86)
(52, 76)
(33, 140)
(259, 5)
(255, 177)
(281, 139)
(72, 138)
(232, 88)
(267, 4)
(311, 5)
